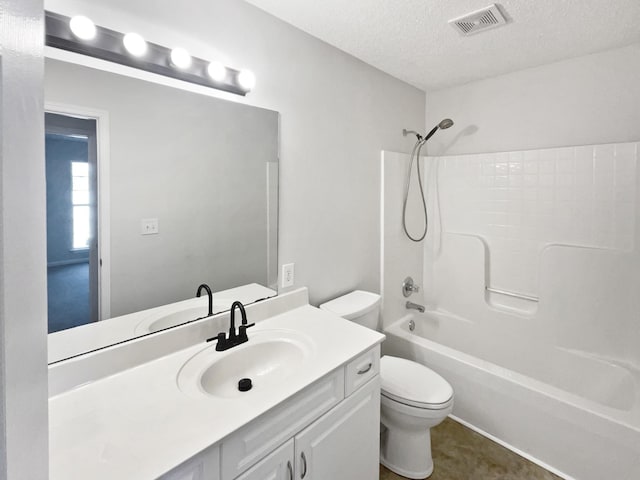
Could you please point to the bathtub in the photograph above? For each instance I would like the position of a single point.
(574, 414)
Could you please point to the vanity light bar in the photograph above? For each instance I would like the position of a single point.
(108, 45)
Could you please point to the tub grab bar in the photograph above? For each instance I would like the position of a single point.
(531, 298)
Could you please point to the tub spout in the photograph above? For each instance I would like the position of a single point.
(414, 306)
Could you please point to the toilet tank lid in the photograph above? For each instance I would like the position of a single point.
(352, 305)
(413, 383)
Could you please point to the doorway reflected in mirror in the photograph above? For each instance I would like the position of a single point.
(72, 245)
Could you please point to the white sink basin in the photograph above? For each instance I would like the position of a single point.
(269, 358)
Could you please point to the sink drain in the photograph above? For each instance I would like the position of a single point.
(244, 385)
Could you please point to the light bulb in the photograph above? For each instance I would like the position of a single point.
(135, 44)
(82, 27)
(180, 58)
(247, 79)
(217, 71)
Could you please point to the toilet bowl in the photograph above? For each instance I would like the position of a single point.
(413, 398)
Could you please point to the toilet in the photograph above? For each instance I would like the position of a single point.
(413, 397)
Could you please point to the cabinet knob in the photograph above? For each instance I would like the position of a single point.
(290, 470)
(304, 465)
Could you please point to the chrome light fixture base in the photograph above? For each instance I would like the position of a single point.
(108, 45)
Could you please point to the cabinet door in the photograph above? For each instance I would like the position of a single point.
(275, 466)
(344, 444)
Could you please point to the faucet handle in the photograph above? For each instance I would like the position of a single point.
(220, 337)
(223, 342)
(409, 287)
(242, 332)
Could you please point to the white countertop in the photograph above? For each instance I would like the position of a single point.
(138, 424)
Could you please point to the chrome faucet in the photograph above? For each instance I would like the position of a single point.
(224, 342)
(205, 287)
(414, 306)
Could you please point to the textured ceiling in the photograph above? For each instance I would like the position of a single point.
(411, 39)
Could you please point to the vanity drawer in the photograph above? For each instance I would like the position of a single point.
(256, 440)
(362, 369)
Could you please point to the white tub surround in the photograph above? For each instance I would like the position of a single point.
(540, 243)
(574, 414)
(531, 269)
(139, 424)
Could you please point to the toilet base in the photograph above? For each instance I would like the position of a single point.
(407, 453)
(404, 473)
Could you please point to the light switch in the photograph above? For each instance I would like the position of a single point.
(287, 275)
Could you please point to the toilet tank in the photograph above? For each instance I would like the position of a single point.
(358, 306)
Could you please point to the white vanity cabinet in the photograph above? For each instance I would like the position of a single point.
(342, 443)
(316, 419)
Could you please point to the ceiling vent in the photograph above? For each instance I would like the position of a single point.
(479, 21)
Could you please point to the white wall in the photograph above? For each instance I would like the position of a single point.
(337, 114)
(583, 101)
(23, 312)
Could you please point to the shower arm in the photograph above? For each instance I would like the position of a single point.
(406, 132)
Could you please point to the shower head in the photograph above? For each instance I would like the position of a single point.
(446, 123)
(443, 125)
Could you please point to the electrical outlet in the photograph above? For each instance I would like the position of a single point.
(288, 275)
(149, 226)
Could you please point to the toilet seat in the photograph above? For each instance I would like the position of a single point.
(418, 405)
(413, 384)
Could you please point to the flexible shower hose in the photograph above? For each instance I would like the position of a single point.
(415, 154)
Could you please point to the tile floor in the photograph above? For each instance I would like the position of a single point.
(462, 454)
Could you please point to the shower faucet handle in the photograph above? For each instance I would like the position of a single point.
(409, 287)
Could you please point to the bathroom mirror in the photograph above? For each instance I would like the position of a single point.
(181, 188)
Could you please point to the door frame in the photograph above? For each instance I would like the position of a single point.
(101, 118)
